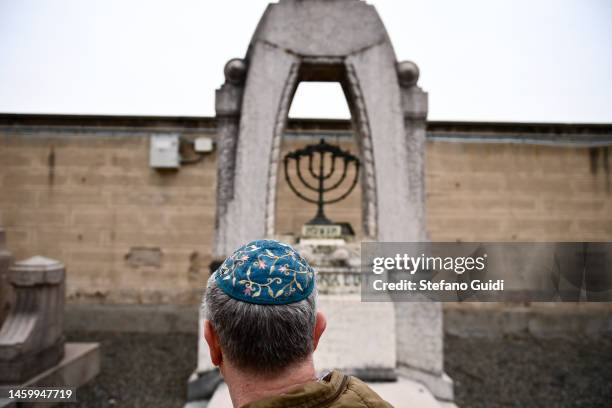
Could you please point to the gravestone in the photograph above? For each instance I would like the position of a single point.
(341, 41)
(33, 351)
(31, 338)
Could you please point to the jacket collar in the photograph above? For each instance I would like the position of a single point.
(314, 394)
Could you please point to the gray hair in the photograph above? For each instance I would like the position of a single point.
(261, 338)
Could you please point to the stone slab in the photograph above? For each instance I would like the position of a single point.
(358, 335)
(81, 363)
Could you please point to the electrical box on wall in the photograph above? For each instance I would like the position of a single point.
(203, 145)
(164, 151)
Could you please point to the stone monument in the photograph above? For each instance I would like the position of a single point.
(340, 41)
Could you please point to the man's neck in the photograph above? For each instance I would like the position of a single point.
(246, 387)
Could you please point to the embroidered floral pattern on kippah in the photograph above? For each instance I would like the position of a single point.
(267, 272)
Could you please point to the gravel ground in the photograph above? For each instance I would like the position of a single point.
(526, 372)
(139, 370)
(151, 370)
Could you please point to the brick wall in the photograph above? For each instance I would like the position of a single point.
(130, 234)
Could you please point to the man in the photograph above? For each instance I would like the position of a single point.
(262, 328)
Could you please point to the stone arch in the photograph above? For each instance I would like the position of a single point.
(292, 44)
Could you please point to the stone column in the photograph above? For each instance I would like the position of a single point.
(31, 338)
(419, 325)
(241, 216)
(228, 104)
(414, 105)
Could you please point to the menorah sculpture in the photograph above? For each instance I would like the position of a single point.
(321, 177)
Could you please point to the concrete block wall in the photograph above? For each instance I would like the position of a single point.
(131, 234)
(127, 233)
(516, 192)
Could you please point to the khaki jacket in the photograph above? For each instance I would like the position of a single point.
(335, 390)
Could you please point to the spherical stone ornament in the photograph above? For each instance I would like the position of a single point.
(235, 71)
(407, 73)
(266, 272)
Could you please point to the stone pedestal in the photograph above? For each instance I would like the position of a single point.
(80, 364)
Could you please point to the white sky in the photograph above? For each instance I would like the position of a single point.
(507, 60)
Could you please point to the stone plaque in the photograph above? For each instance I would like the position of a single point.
(322, 231)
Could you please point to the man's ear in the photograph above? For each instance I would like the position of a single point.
(320, 325)
(210, 335)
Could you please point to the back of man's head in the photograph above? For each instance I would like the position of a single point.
(261, 303)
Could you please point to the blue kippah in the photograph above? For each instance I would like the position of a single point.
(266, 272)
